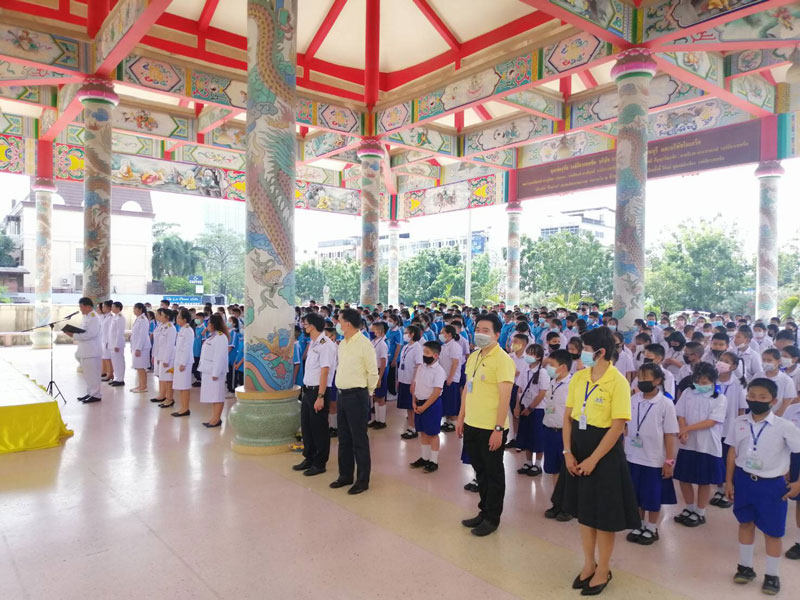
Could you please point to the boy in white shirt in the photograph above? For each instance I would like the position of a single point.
(751, 360)
(787, 392)
(428, 383)
(654, 353)
(792, 414)
(557, 366)
(757, 461)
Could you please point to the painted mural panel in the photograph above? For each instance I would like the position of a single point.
(12, 124)
(750, 60)
(425, 138)
(511, 132)
(461, 171)
(134, 144)
(472, 193)
(324, 143)
(227, 136)
(153, 73)
(144, 120)
(574, 51)
(21, 92)
(395, 117)
(664, 90)
(504, 157)
(117, 24)
(214, 88)
(579, 143)
(538, 102)
(406, 183)
(315, 196)
(211, 157)
(421, 169)
(44, 48)
(328, 116)
(706, 65)
(15, 72)
(694, 117)
(611, 15)
(12, 154)
(68, 162)
(210, 116)
(408, 156)
(314, 174)
(755, 90)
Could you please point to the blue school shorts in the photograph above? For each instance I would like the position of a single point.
(429, 422)
(553, 450)
(760, 502)
(383, 387)
(404, 399)
(794, 472)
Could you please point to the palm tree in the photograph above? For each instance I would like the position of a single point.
(789, 305)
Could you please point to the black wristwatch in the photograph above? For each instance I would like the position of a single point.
(320, 395)
(499, 428)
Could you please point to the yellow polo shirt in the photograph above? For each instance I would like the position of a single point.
(606, 399)
(357, 366)
(484, 374)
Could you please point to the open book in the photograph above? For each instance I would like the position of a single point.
(70, 329)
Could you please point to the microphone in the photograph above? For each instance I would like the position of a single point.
(72, 315)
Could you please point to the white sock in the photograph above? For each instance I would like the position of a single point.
(380, 413)
(332, 421)
(434, 454)
(426, 452)
(539, 462)
(746, 555)
(644, 525)
(691, 507)
(528, 464)
(772, 563)
(720, 490)
(650, 526)
(701, 512)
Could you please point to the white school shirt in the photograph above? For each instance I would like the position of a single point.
(674, 354)
(760, 345)
(751, 361)
(519, 365)
(658, 334)
(464, 343)
(567, 335)
(792, 414)
(795, 375)
(322, 353)
(669, 384)
(410, 358)
(555, 402)
(625, 364)
(786, 387)
(381, 351)
(737, 400)
(527, 396)
(140, 334)
(638, 358)
(451, 351)
(184, 348)
(650, 421)
(116, 333)
(696, 407)
(428, 378)
(771, 456)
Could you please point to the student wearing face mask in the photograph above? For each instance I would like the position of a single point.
(197, 346)
(639, 342)
(555, 404)
(555, 327)
(673, 356)
(751, 360)
(575, 347)
(759, 457)
(410, 360)
(428, 383)
(792, 414)
(790, 355)
(654, 354)
(657, 332)
(379, 329)
(531, 385)
(692, 356)
(761, 341)
(701, 412)
(450, 359)
(518, 344)
(771, 369)
(624, 357)
(612, 324)
(553, 341)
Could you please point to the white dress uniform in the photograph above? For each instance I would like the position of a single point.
(156, 339)
(140, 340)
(166, 351)
(116, 340)
(213, 363)
(90, 352)
(184, 356)
(105, 331)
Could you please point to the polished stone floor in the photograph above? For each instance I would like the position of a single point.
(142, 505)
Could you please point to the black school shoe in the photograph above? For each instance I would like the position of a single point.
(744, 574)
(648, 537)
(333, 431)
(681, 518)
(793, 553)
(91, 399)
(715, 500)
(551, 513)
(472, 487)
(694, 520)
(419, 463)
(634, 535)
(430, 467)
(596, 590)
(485, 528)
(771, 585)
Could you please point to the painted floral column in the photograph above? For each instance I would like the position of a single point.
(370, 152)
(514, 210)
(98, 99)
(267, 414)
(769, 174)
(633, 72)
(43, 189)
(394, 263)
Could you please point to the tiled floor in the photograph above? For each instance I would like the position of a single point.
(141, 505)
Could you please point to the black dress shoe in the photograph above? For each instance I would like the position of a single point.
(485, 528)
(212, 425)
(552, 512)
(314, 471)
(333, 431)
(340, 483)
(472, 487)
(181, 414)
(473, 522)
(357, 488)
(196, 384)
(595, 590)
(83, 398)
(579, 584)
(306, 464)
(117, 383)
(157, 399)
(91, 399)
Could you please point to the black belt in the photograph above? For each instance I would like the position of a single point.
(755, 477)
(554, 428)
(352, 390)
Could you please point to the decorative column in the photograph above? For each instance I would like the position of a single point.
(633, 72)
(266, 415)
(514, 210)
(394, 263)
(371, 153)
(98, 99)
(43, 189)
(468, 263)
(769, 174)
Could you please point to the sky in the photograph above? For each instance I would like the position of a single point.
(726, 196)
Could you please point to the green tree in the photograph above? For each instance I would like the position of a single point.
(789, 264)
(224, 263)
(566, 264)
(172, 255)
(175, 284)
(7, 250)
(701, 267)
(309, 281)
(344, 279)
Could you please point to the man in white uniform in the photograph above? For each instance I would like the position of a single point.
(116, 344)
(90, 350)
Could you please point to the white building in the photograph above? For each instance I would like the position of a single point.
(131, 239)
(599, 221)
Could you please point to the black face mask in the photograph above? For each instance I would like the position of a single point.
(686, 359)
(646, 386)
(428, 360)
(575, 355)
(554, 347)
(717, 353)
(758, 408)
(646, 361)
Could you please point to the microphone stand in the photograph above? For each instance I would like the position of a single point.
(52, 386)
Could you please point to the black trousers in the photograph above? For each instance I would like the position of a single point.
(197, 374)
(316, 437)
(353, 410)
(489, 471)
(391, 380)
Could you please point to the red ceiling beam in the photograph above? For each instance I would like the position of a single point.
(458, 121)
(372, 68)
(324, 88)
(209, 8)
(96, 14)
(587, 79)
(556, 12)
(349, 74)
(42, 12)
(204, 55)
(324, 28)
(439, 25)
(565, 86)
(386, 165)
(482, 113)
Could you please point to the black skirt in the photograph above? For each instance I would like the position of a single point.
(606, 499)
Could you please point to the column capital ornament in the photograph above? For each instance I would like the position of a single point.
(634, 62)
(370, 148)
(514, 207)
(769, 168)
(99, 90)
(394, 224)
(44, 184)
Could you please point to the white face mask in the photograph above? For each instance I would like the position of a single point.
(770, 366)
(759, 335)
(786, 362)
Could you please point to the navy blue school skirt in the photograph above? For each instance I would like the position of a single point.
(652, 490)
(404, 399)
(530, 433)
(429, 422)
(514, 390)
(699, 468)
(451, 399)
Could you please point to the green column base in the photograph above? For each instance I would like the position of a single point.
(264, 422)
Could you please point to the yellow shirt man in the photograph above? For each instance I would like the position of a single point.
(357, 365)
(482, 389)
(604, 400)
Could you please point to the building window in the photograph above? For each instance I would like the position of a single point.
(79, 255)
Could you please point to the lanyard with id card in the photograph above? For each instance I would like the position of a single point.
(478, 364)
(550, 408)
(636, 441)
(583, 422)
(753, 462)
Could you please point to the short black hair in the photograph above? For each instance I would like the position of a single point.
(493, 319)
(722, 337)
(316, 320)
(600, 339)
(414, 332)
(785, 334)
(434, 347)
(383, 326)
(746, 331)
(656, 349)
(562, 357)
(86, 302)
(773, 352)
(352, 316)
(765, 383)
(655, 370)
(118, 305)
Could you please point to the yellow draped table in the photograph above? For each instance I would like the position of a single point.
(29, 418)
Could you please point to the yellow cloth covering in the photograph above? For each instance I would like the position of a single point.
(29, 418)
